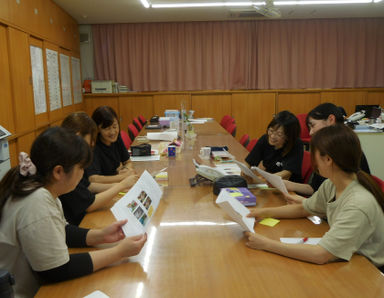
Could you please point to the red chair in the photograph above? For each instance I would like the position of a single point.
(132, 131)
(227, 121)
(306, 167)
(244, 140)
(126, 139)
(232, 129)
(304, 132)
(142, 120)
(137, 123)
(251, 144)
(379, 182)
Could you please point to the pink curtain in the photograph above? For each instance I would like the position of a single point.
(286, 54)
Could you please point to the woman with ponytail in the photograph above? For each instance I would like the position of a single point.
(34, 235)
(352, 202)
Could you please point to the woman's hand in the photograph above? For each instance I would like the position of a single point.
(294, 199)
(256, 241)
(114, 232)
(129, 181)
(131, 246)
(257, 213)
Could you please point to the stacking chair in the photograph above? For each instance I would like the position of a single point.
(244, 140)
(251, 144)
(304, 133)
(306, 167)
(132, 131)
(138, 124)
(227, 121)
(142, 120)
(232, 129)
(126, 139)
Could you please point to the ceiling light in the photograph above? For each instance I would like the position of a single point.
(320, 2)
(207, 4)
(145, 3)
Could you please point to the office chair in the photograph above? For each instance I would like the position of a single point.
(137, 123)
(244, 140)
(126, 139)
(226, 121)
(251, 144)
(306, 167)
(132, 131)
(142, 120)
(232, 129)
(379, 182)
(304, 132)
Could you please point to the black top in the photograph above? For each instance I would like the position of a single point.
(106, 159)
(76, 202)
(273, 159)
(316, 180)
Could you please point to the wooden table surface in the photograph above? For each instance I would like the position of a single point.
(195, 250)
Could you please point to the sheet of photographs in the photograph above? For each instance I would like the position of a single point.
(141, 207)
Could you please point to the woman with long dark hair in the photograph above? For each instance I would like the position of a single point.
(34, 235)
(352, 202)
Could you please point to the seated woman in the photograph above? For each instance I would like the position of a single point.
(82, 199)
(110, 156)
(323, 115)
(34, 232)
(280, 150)
(350, 199)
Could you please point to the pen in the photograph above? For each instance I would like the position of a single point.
(302, 241)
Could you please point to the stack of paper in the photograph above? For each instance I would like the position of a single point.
(169, 135)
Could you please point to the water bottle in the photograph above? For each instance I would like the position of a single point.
(6, 282)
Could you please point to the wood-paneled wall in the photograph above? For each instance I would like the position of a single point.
(24, 23)
(252, 110)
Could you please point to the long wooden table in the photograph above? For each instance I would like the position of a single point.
(195, 250)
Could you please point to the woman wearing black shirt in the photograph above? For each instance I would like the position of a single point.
(280, 150)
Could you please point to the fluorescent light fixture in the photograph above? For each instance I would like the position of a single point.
(145, 3)
(207, 4)
(319, 2)
(251, 3)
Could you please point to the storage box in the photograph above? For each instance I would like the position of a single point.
(102, 86)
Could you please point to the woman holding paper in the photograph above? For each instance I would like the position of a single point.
(350, 199)
(83, 198)
(34, 232)
(110, 156)
(280, 150)
(325, 114)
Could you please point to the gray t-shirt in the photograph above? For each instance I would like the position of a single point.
(32, 235)
(355, 218)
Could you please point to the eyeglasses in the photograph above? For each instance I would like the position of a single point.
(276, 133)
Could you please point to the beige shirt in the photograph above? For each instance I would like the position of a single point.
(32, 235)
(355, 218)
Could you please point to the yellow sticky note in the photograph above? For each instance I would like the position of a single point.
(271, 222)
(122, 193)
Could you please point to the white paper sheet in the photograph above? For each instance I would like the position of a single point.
(38, 80)
(275, 180)
(145, 158)
(138, 205)
(162, 136)
(248, 172)
(312, 241)
(235, 210)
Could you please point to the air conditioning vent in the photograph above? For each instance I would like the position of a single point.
(245, 14)
(84, 38)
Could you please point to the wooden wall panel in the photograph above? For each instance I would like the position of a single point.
(252, 112)
(21, 79)
(170, 102)
(24, 142)
(13, 152)
(92, 103)
(297, 103)
(133, 106)
(374, 98)
(211, 105)
(347, 99)
(6, 110)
